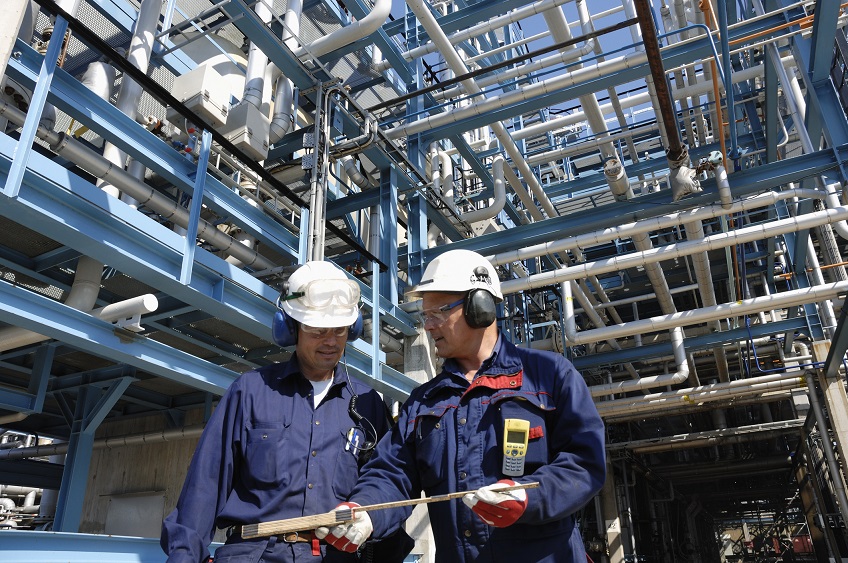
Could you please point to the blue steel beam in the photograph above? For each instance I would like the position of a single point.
(69, 209)
(41, 86)
(838, 346)
(743, 183)
(31, 401)
(94, 336)
(388, 213)
(824, 115)
(91, 408)
(84, 217)
(75, 99)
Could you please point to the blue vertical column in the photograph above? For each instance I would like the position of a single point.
(417, 204)
(824, 112)
(388, 234)
(91, 408)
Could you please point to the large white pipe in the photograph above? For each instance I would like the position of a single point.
(497, 204)
(349, 33)
(666, 252)
(702, 394)
(83, 296)
(582, 298)
(141, 45)
(283, 120)
(697, 316)
(257, 61)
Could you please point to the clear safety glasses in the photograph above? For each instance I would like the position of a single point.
(319, 294)
(315, 332)
(438, 315)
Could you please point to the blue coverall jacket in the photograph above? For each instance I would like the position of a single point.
(449, 437)
(265, 455)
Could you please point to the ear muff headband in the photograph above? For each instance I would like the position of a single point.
(479, 308)
(284, 329)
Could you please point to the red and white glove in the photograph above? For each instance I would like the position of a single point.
(350, 535)
(495, 508)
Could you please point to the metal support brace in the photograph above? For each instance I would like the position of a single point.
(36, 106)
(196, 207)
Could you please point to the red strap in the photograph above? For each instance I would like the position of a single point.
(316, 546)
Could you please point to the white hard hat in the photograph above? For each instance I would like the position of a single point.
(458, 271)
(319, 294)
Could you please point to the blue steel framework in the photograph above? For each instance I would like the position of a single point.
(195, 286)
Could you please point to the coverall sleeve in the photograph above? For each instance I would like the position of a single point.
(577, 467)
(189, 529)
(390, 475)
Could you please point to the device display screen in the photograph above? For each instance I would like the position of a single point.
(512, 436)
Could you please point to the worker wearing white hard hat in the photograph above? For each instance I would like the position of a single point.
(286, 439)
(495, 416)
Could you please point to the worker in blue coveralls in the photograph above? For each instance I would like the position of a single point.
(286, 440)
(451, 435)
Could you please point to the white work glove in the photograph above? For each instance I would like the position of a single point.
(495, 508)
(349, 536)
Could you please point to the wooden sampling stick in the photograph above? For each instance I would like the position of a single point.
(336, 517)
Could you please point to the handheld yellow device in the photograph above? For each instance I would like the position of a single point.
(516, 435)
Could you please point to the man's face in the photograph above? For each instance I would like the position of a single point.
(448, 328)
(319, 350)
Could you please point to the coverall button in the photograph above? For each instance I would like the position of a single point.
(314, 453)
(264, 436)
(309, 486)
(317, 422)
(462, 421)
(438, 425)
(467, 533)
(463, 475)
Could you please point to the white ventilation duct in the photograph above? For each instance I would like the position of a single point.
(349, 33)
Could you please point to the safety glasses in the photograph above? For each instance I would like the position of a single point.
(317, 333)
(438, 315)
(320, 294)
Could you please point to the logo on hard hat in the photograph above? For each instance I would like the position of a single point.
(481, 275)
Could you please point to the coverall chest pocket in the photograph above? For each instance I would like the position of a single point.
(430, 435)
(530, 408)
(264, 451)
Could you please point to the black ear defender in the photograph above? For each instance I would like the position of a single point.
(284, 329)
(479, 308)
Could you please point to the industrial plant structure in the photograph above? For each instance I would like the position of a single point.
(662, 186)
